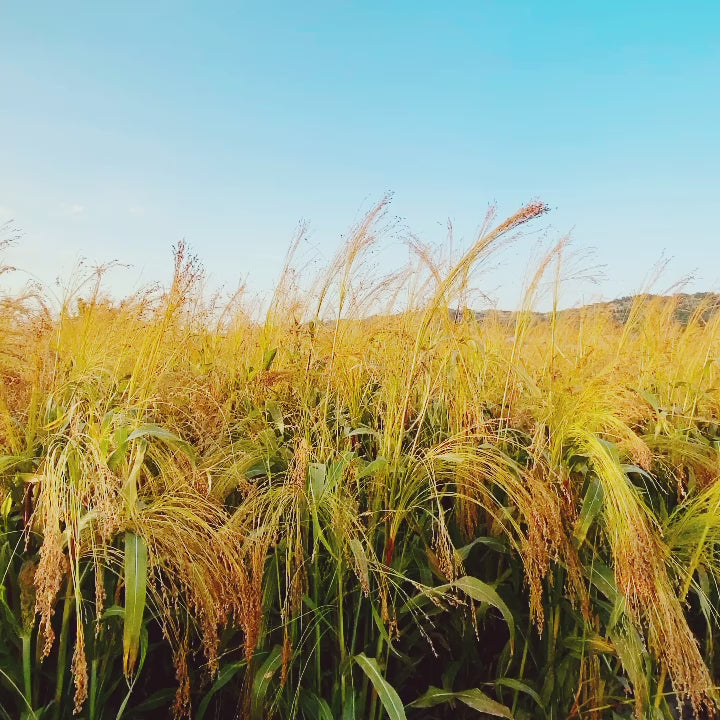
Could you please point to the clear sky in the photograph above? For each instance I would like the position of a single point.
(126, 126)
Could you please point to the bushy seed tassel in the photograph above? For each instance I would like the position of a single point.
(51, 569)
(79, 669)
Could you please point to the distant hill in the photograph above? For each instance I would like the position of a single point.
(687, 304)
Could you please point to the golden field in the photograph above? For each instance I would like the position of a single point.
(362, 505)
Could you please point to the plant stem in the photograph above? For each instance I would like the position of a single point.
(27, 666)
(62, 647)
(341, 633)
(318, 633)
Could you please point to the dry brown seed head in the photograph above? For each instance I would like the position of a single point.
(52, 568)
(181, 705)
(79, 670)
(286, 656)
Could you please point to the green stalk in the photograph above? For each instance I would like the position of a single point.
(95, 640)
(93, 687)
(341, 634)
(362, 699)
(27, 666)
(356, 622)
(62, 647)
(386, 666)
(522, 666)
(374, 701)
(318, 633)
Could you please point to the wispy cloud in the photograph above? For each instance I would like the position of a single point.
(136, 210)
(72, 208)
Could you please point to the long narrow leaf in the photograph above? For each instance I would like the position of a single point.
(386, 692)
(136, 559)
(225, 675)
(482, 592)
(476, 699)
(261, 683)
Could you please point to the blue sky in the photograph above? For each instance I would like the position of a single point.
(127, 126)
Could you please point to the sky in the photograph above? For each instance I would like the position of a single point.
(125, 127)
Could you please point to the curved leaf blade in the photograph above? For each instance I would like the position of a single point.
(482, 592)
(261, 683)
(386, 692)
(136, 561)
(226, 674)
(475, 698)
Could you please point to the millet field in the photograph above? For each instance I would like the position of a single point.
(365, 503)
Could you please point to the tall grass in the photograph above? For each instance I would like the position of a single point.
(362, 506)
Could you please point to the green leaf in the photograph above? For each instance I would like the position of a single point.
(6, 507)
(476, 699)
(314, 707)
(592, 505)
(629, 647)
(131, 684)
(120, 437)
(361, 560)
(491, 542)
(169, 438)
(268, 357)
(7, 462)
(380, 625)
(375, 466)
(26, 714)
(351, 707)
(261, 683)
(276, 414)
(318, 480)
(450, 457)
(9, 621)
(651, 399)
(386, 692)
(520, 686)
(129, 488)
(226, 674)
(136, 560)
(702, 590)
(482, 592)
(113, 611)
(602, 577)
(159, 699)
(362, 430)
